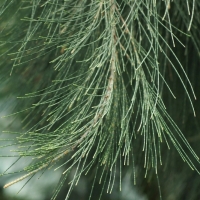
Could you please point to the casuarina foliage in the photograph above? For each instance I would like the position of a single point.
(102, 87)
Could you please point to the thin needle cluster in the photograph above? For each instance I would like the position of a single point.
(94, 73)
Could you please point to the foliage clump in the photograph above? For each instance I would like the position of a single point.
(94, 79)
